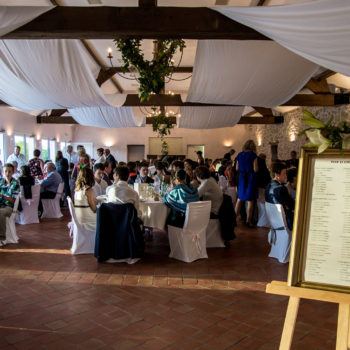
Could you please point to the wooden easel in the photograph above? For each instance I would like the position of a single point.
(295, 294)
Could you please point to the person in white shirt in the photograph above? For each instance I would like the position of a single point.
(16, 174)
(120, 192)
(18, 157)
(208, 189)
(100, 156)
(71, 156)
(100, 184)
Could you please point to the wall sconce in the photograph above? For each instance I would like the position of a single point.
(109, 143)
(38, 137)
(227, 143)
(292, 136)
(9, 132)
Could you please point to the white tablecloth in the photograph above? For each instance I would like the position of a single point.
(154, 214)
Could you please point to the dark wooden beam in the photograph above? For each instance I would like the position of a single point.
(137, 22)
(261, 3)
(175, 100)
(262, 120)
(147, 3)
(264, 111)
(325, 100)
(318, 86)
(243, 120)
(324, 75)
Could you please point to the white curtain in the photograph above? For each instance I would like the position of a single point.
(13, 17)
(253, 73)
(318, 30)
(209, 117)
(49, 74)
(106, 117)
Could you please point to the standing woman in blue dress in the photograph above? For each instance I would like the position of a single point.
(247, 190)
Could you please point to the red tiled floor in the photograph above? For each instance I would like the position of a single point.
(53, 300)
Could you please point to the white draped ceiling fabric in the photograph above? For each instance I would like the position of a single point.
(209, 117)
(12, 18)
(106, 117)
(317, 30)
(252, 73)
(55, 74)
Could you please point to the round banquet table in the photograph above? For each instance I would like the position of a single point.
(154, 213)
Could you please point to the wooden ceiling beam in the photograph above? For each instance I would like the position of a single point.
(322, 100)
(147, 3)
(136, 22)
(263, 111)
(244, 120)
(318, 86)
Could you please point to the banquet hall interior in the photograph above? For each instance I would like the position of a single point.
(157, 99)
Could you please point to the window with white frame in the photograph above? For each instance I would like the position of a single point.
(63, 146)
(45, 153)
(2, 148)
(29, 147)
(53, 150)
(20, 142)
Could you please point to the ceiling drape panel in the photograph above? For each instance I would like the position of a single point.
(106, 117)
(209, 117)
(253, 73)
(13, 17)
(48, 74)
(317, 30)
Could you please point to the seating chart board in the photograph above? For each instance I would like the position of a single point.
(321, 232)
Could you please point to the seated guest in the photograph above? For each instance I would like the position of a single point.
(142, 177)
(9, 188)
(16, 174)
(26, 180)
(120, 192)
(100, 156)
(209, 190)
(189, 168)
(36, 165)
(85, 199)
(277, 193)
(178, 198)
(292, 174)
(50, 184)
(100, 184)
(108, 173)
(84, 162)
(161, 174)
(132, 169)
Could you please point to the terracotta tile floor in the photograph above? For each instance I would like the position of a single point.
(52, 300)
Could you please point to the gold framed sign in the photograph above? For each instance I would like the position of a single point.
(320, 252)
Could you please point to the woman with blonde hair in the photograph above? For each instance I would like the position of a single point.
(84, 198)
(247, 167)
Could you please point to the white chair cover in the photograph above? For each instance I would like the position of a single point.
(279, 236)
(11, 233)
(214, 239)
(83, 237)
(263, 220)
(189, 243)
(51, 207)
(29, 213)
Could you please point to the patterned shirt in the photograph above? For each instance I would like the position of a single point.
(8, 190)
(35, 165)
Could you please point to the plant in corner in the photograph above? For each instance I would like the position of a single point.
(151, 74)
(326, 135)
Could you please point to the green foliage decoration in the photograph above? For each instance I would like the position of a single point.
(152, 73)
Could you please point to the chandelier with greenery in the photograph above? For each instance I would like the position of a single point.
(151, 74)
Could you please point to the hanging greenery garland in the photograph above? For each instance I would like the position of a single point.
(161, 124)
(152, 73)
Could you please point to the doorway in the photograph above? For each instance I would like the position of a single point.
(192, 149)
(136, 152)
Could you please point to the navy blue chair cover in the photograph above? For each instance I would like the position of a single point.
(118, 232)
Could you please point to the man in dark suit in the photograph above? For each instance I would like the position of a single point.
(277, 193)
(110, 158)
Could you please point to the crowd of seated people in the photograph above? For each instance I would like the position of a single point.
(184, 181)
